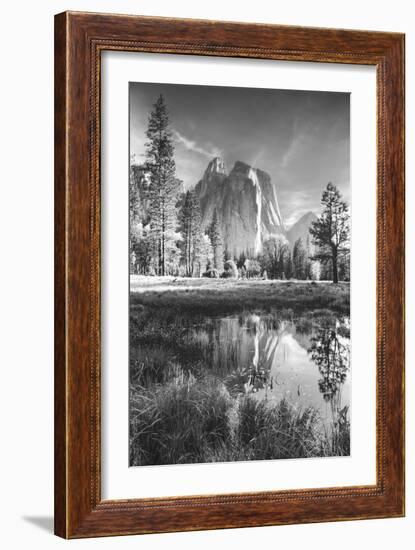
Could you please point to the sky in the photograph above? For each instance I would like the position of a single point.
(301, 138)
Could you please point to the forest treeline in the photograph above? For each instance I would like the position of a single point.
(167, 236)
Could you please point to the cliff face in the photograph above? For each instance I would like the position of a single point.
(246, 204)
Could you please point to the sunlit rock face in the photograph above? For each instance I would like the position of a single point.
(246, 203)
(216, 166)
(210, 189)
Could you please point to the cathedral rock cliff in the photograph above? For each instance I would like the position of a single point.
(246, 204)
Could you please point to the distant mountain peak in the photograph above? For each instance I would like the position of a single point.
(310, 215)
(216, 166)
(240, 166)
(300, 229)
(246, 169)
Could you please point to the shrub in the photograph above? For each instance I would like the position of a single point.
(230, 269)
(211, 273)
(253, 269)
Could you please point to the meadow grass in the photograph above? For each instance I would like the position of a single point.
(192, 421)
(222, 296)
(174, 423)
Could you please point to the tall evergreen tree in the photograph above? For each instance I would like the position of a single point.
(331, 232)
(134, 195)
(190, 222)
(215, 234)
(164, 186)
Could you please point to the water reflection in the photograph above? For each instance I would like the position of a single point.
(304, 360)
(330, 351)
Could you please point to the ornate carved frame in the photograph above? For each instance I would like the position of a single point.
(79, 40)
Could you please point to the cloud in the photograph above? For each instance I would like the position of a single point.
(191, 145)
(293, 150)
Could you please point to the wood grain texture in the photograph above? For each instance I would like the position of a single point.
(60, 278)
(79, 40)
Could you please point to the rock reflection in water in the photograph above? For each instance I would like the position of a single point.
(306, 363)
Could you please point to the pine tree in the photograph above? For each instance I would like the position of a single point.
(164, 186)
(190, 223)
(331, 232)
(135, 207)
(134, 195)
(215, 234)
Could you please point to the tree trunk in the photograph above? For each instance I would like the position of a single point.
(335, 269)
(163, 251)
(159, 255)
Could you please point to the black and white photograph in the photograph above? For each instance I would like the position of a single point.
(207, 294)
(239, 266)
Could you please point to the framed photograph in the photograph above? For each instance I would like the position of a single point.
(229, 275)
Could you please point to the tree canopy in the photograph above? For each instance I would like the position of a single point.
(164, 186)
(331, 231)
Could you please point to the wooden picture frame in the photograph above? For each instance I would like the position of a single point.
(79, 40)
